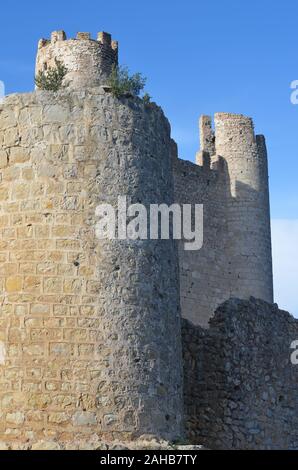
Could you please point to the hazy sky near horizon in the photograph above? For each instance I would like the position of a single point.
(199, 57)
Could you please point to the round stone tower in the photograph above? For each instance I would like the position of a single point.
(248, 239)
(89, 62)
(90, 328)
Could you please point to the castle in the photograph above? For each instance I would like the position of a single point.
(118, 339)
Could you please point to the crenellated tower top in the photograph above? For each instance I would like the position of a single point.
(232, 134)
(89, 61)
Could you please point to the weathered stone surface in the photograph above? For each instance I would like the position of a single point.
(46, 445)
(94, 443)
(89, 62)
(240, 385)
(90, 334)
(84, 322)
(231, 181)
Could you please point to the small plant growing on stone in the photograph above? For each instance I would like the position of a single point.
(146, 98)
(52, 78)
(122, 83)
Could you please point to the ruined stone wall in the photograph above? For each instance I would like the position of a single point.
(89, 329)
(203, 285)
(89, 62)
(248, 240)
(240, 385)
(231, 181)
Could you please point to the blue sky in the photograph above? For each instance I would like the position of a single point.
(200, 57)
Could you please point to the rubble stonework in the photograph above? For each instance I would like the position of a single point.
(240, 387)
(231, 181)
(88, 61)
(85, 322)
(90, 329)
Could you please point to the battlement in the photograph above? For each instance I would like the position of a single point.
(232, 116)
(229, 121)
(232, 130)
(233, 126)
(88, 61)
(102, 37)
(207, 135)
(58, 36)
(84, 318)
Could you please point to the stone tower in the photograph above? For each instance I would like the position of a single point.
(85, 346)
(230, 179)
(88, 61)
(235, 149)
(90, 333)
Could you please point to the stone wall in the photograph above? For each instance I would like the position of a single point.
(89, 62)
(84, 323)
(203, 285)
(240, 385)
(231, 181)
(248, 237)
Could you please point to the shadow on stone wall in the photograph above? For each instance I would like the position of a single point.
(240, 387)
(235, 260)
